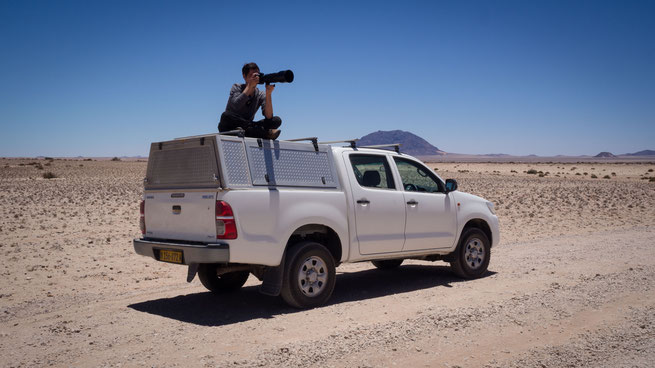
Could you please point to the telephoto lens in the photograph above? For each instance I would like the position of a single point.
(284, 76)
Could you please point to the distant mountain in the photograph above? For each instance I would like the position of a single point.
(605, 154)
(410, 143)
(642, 153)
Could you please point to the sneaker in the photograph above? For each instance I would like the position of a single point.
(273, 133)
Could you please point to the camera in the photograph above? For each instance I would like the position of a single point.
(284, 76)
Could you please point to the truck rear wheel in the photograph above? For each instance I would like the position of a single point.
(227, 282)
(387, 264)
(309, 276)
(471, 258)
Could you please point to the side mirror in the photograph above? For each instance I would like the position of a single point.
(451, 185)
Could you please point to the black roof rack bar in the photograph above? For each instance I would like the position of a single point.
(313, 139)
(396, 146)
(352, 142)
(236, 132)
(195, 136)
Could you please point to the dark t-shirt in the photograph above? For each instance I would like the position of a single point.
(244, 105)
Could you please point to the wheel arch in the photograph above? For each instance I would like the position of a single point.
(481, 224)
(320, 233)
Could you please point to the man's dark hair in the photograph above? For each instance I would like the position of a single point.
(247, 67)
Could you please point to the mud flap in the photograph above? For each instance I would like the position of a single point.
(191, 273)
(273, 276)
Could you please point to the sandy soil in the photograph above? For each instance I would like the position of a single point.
(570, 285)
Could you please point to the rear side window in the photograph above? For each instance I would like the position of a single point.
(372, 171)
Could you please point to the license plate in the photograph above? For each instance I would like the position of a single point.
(173, 256)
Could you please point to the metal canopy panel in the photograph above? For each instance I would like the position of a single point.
(189, 163)
(234, 162)
(279, 163)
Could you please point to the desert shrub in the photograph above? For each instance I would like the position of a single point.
(49, 175)
(573, 168)
(585, 173)
(578, 174)
(541, 175)
(593, 176)
(607, 177)
(48, 164)
(651, 179)
(613, 174)
(650, 170)
(514, 171)
(532, 171)
(115, 159)
(88, 159)
(49, 158)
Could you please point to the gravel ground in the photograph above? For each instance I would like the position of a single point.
(570, 285)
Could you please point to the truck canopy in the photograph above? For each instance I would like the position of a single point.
(228, 162)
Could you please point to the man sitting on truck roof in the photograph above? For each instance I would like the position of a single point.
(242, 106)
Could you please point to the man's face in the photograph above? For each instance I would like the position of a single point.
(250, 73)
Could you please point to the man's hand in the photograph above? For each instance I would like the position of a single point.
(251, 83)
(270, 88)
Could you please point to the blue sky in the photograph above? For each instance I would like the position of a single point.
(105, 78)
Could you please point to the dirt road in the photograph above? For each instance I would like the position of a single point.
(75, 297)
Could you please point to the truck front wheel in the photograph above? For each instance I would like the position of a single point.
(471, 258)
(209, 277)
(309, 276)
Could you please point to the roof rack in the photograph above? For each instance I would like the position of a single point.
(239, 132)
(194, 136)
(314, 141)
(396, 146)
(353, 142)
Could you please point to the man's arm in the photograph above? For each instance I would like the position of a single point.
(238, 97)
(268, 106)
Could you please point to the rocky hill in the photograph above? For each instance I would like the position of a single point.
(605, 154)
(642, 153)
(410, 143)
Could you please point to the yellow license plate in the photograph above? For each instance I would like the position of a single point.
(173, 256)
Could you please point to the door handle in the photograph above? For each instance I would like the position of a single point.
(412, 203)
(363, 201)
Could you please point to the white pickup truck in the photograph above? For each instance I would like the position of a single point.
(289, 212)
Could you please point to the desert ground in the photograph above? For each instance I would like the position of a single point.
(570, 285)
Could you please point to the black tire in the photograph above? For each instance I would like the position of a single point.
(315, 287)
(387, 264)
(220, 284)
(471, 257)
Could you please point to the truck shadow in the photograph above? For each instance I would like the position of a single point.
(207, 309)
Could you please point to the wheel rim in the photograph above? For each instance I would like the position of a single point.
(474, 255)
(312, 276)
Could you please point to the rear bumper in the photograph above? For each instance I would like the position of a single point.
(209, 253)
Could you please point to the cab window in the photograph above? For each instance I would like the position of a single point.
(372, 171)
(416, 178)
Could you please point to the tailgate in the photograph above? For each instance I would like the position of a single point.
(189, 216)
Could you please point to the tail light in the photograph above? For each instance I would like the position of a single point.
(226, 227)
(142, 219)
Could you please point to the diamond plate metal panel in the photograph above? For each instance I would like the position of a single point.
(290, 167)
(182, 164)
(236, 163)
